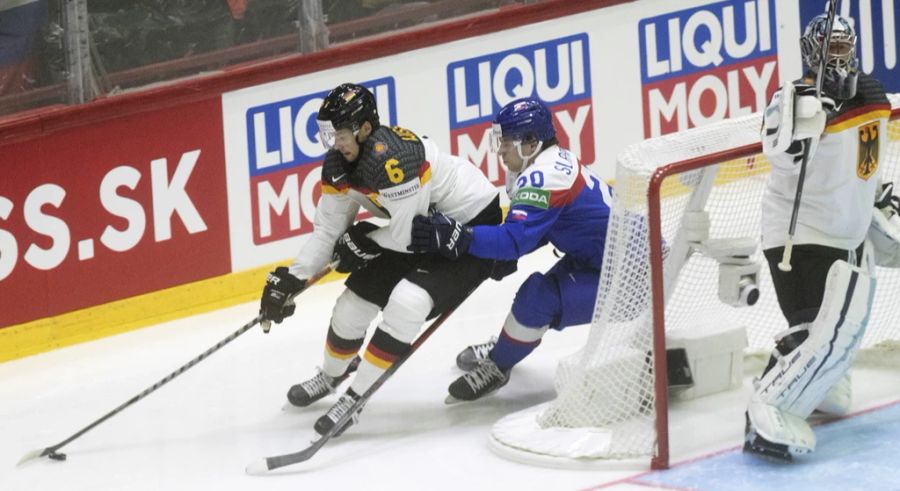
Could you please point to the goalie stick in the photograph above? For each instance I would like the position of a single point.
(262, 466)
(51, 451)
(785, 264)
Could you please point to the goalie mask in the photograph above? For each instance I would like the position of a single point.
(348, 106)
(841, 63)
(523, 121)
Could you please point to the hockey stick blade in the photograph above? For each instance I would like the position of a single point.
(32, 455)
(51, 452)
(262, 466)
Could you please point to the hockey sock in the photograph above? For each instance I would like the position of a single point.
(339, 352)
(382, 351)
(509, 351)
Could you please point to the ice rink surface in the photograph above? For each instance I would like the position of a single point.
(203, 428)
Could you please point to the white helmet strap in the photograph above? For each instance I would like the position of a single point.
(526, 158)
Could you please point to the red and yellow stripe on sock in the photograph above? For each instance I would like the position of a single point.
(341, 348)
(383, 350)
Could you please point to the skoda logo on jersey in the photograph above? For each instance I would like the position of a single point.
(538, 198)
(284, 156)
(556, 71)
(707, 63)
(877, 27)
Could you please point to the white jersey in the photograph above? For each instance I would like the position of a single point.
(841, 177)
(397, 176)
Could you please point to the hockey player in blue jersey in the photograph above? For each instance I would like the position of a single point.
(553, 199)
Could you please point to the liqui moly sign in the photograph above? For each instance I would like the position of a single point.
(706, 64)
(284, 154)
(555, 71)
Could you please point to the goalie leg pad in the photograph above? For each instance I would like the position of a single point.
(800, 380)
(837, 400)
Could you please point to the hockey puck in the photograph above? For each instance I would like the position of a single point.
(57, 456)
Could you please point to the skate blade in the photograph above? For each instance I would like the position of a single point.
(770, 452)
(450, 400)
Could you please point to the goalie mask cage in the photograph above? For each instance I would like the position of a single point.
(612, 404)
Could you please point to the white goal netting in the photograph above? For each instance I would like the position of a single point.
(607, 400)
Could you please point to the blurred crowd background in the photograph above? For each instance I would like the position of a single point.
(73, 51)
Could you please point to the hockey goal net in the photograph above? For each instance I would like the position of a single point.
(612, 403)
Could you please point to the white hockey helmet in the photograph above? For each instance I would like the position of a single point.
(841, 63)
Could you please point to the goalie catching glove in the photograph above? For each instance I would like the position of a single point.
(442, 234)
(355, 249)
(277, 299)
(795, 118)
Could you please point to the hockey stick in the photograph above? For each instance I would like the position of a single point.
(262, 466)
(785, 264)
(51, 451)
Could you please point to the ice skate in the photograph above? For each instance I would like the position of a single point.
(469, 358)
(483, 380)
(306, 393)
(325, 423)
(757, 445)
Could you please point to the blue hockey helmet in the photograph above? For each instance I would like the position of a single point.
(523, 120)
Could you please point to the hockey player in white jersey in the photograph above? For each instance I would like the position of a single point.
(826, 294)
(553, 199)
(395, 174)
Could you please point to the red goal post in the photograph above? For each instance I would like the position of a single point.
(612, 403)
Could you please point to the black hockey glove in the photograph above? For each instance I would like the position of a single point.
(442, 234)
(277, 302)
(502, 269)
(355, 249)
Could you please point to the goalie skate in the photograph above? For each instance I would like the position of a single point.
(775, 434)
(755, 444)
(310, 391)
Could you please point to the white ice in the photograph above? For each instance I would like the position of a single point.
(202, 429)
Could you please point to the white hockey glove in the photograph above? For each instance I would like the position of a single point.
(809, 118)
(794, 117)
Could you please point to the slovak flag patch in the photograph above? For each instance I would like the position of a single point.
(518, 215)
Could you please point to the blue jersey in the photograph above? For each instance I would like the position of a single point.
(554, 200)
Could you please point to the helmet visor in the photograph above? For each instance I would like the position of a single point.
(841, 52)
(331, 137)
(498, 140)
(326, 134)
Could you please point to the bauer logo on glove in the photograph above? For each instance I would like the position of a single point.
(355, 249)
(277, 299)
